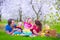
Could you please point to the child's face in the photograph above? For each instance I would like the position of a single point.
(19, 24)
(30, 20)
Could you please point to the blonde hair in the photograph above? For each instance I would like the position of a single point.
(20, 23)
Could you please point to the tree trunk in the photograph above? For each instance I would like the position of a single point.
(37, 16)
(21, 17)
(0, 17)
(20, 14)
(37, 13)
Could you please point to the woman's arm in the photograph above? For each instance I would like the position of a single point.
(9, 32)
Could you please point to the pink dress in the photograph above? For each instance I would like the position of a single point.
(27, 25)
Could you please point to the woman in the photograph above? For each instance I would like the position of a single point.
(37, 27)
(9, 27)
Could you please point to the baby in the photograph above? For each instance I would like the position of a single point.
(18, 29)
(27, 26)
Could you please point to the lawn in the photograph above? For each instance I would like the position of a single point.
(4, 36)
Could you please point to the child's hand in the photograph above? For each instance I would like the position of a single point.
(31, 27)
(9, 32)
(35, 32)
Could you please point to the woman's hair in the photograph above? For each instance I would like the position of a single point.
(10, 21)
(37, 22)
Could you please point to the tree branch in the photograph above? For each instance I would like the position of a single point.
(34, 9)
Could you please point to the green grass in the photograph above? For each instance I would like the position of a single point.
(3, 22)
(56, 26)
(4, 36)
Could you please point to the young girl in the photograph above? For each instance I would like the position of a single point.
(18, 29)
(27, 26)
(37, 27)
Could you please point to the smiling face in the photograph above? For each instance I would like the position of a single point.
(20, 24)
(12, 23)
(29, 21)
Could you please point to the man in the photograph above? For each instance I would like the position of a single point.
(9, 27)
